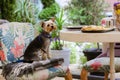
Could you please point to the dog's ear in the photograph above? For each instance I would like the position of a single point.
(42, 23)
(52, 19)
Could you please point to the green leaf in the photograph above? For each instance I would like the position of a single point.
(17, 10)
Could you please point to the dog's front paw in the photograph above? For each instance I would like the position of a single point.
(44, 57)
(49, 57)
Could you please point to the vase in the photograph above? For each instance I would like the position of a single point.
(65, 54)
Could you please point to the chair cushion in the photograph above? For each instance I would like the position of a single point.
(38, 70)
(101, 64)
(45, 74)
(2, 21)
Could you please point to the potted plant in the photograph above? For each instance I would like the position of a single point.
(57, 50)
(57, 44)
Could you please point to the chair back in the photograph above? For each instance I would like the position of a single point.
(14, 38)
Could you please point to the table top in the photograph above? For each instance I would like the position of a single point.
(78, 36)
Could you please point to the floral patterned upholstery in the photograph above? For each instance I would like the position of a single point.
(14, 38)
(101, 65)
(45, 74)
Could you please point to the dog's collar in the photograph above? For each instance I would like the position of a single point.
(45, 34)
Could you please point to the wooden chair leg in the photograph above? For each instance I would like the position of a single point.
(68, 75)
(106, 76)
(84, 74)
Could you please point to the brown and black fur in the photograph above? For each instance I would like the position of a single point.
(38, 49)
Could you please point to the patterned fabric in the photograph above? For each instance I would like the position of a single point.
(27, 71)
(14, 38)
(2, 21)
(45, 74)
(101, 65)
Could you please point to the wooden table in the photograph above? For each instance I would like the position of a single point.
(109, 37)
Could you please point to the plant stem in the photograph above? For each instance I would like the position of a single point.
(98, 46)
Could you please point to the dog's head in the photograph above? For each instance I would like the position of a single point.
(49, 25)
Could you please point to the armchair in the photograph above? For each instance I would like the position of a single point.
(101, 64)
(14, 38)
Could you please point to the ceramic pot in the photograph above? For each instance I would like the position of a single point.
(65, 54)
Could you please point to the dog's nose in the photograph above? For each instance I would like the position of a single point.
(52, 26)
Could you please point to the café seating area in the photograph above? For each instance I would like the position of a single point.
(44, 39)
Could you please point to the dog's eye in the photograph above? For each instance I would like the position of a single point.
(48, 25)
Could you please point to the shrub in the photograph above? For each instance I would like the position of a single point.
(85, 12)
(49, 11)
(47, 3)
(26, 11)
(7, 9)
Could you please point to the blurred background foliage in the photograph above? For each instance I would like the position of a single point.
(26, 11)
(47, 3)
(49, 12)
(7, 8)
(19, 11)
(85, 12)
(50, 9)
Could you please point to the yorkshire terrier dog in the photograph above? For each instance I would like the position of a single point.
(38, 49)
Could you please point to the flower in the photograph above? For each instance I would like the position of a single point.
(96, 65)
(2, 55)
(103, 22)
(116, 8)
(117, 3)
(17, 50)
